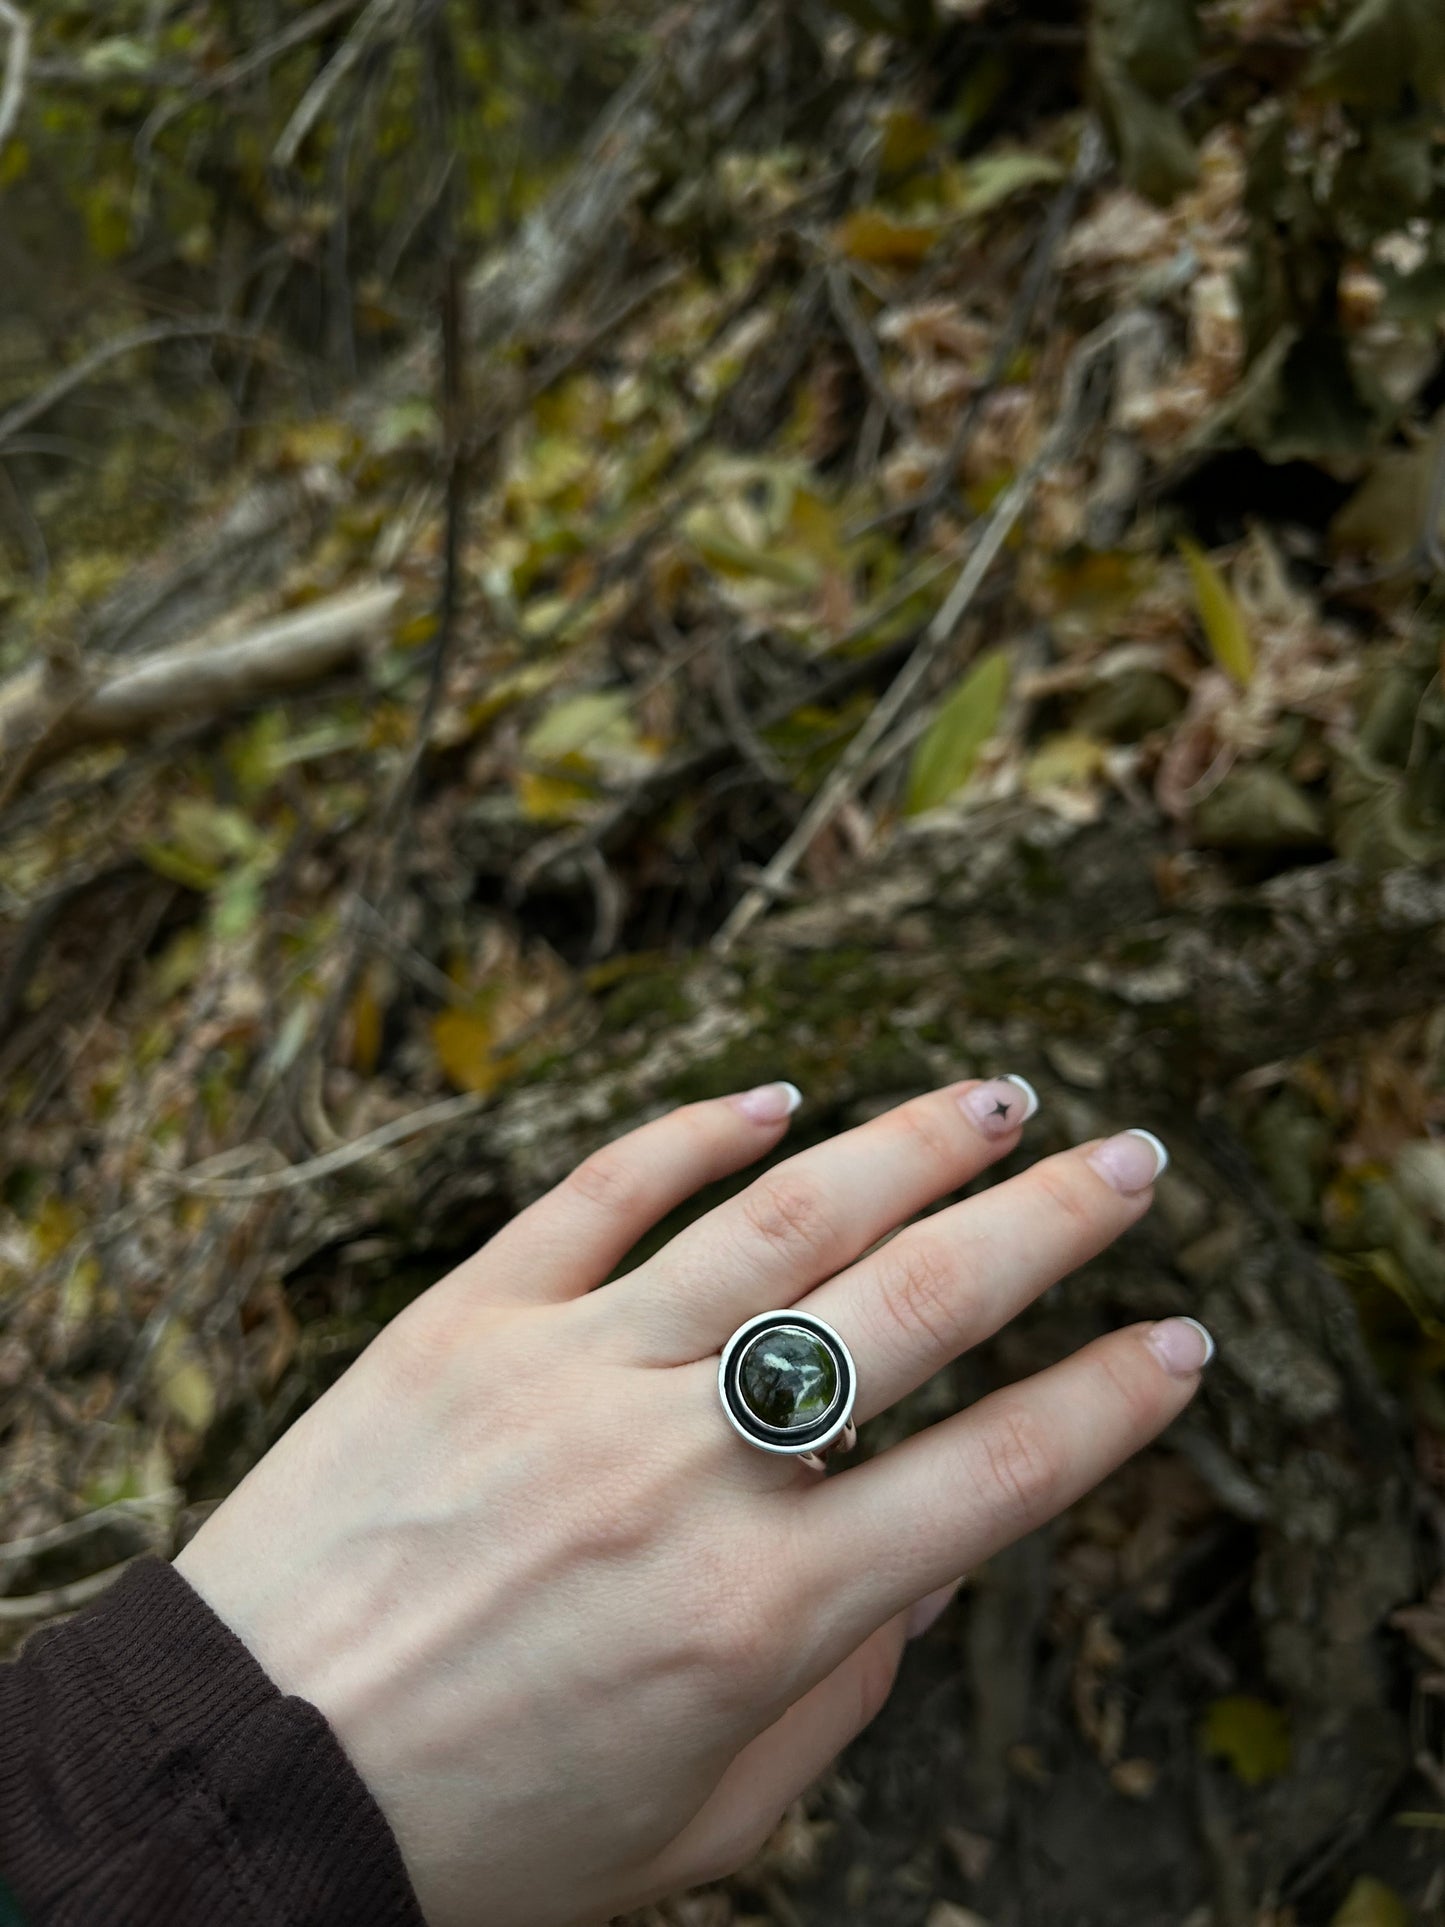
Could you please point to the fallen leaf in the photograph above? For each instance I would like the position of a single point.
(945, 758)
(1219, 615)
(1370, 1903)
(1250, 1734)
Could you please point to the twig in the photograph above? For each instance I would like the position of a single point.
(17, 64)
(61, 1599)
(34, 406)
(924, 505)
(377, 17)
(936, 637)
(316, 20)
(196, 1185)
(13, 1550)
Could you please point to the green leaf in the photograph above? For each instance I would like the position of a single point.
(1250, 1734)
(992, 179)
(1370, 1903)
(945, 758)
(1257, 807)
(1219, 615)
(1386, 51)
(584, 726)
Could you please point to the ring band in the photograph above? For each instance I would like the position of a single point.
(787, 1384)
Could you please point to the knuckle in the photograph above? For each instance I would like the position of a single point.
(734, 1846)
(920, 1121)
(786, 1211)
(607, 1179)
(1020, 1466)
(1130, 1391)
(1067, 1200)
(919, 1291)
(743, 1652)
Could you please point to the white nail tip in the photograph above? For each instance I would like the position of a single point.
(795, 1096)
(1210, 1348)
(1012, 1077)
(1161, 1157)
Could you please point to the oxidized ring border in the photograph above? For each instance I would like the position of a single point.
(834, 1430)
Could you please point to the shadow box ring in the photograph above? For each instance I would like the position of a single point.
(788, 1384)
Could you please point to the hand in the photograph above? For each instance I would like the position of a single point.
(582, 1642)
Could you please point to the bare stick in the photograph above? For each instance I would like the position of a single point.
(205, 676)
(63, 1599)
(314, 21)
(427, 1118)
(17, 64)
(844, 777)
(378, 16)
(12, 1550)
(34, 406)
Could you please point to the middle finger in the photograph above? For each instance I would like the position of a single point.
(802, 1220)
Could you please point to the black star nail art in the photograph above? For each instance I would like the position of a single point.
(1000, 1110)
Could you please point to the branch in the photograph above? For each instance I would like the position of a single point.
(17, 63)
(30, 410)
(379, 15)
(206, 676)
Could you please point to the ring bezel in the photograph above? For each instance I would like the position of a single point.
(811, 1439)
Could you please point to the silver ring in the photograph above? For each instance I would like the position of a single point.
(787, 1384)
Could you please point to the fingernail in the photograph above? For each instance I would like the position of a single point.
(1131, 1161)
(930, 1609)
(1182, 1346)
(1001, 1105)
(768, 1103)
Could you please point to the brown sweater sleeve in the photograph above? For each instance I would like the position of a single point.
(153, 1775)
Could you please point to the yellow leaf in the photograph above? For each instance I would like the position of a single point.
(1370, 1903)
(1219, 615)
(14, 163)
(366, 1015)
(869, 234)
(181, 1378)
(189, 1394)
(463, 1040)
(945, 758)
(551, 799)
(1250, 1734)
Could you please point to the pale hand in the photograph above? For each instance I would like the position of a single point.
(582, 1642)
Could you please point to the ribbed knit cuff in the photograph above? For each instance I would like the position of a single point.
(151, 1771)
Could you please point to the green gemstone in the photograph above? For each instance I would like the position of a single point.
(788, 1378)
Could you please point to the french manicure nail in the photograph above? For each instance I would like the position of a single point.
(769, 1103)
(930, 1609)
(1001, 1105)
(1182, 1346)
(1131, 1161)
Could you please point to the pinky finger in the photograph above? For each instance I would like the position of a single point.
(947, 1499)
(782, 1762)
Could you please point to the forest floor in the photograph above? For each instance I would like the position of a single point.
(503, 521)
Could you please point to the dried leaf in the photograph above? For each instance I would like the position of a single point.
(463, 1041)
(945, 758)
(869, 234)
(1219, 614)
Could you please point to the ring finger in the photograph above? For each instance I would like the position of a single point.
(944, 1285)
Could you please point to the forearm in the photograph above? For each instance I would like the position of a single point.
(151, 1772)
